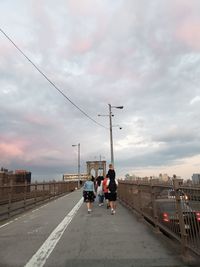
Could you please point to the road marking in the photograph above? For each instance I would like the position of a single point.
(41, 256)
(6, 224)
(26, 214)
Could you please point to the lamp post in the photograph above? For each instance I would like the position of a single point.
(78, 163)
(111, 126)
(111, 134)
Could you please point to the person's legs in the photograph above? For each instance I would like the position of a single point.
(102, 198)
(114, 207)
(113, 198)
(89, 206)
(114, 202)
(107, 200)
(111, 206)
(99, 198)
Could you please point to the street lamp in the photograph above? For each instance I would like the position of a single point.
(111, 135)
(110, 115)
(78, 163)
(117, 126)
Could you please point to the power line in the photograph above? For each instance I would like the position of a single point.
(53, 84)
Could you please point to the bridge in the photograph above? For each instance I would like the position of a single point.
(56, 230)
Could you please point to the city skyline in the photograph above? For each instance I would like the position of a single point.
(141, 54)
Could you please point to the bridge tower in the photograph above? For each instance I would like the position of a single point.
(96, 165)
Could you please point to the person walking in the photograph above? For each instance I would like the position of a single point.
(100, 192)
(112, 185)
(89, 193)
(105, 190)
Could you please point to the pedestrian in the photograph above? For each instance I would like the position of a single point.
(89, 193)
(112, 184)
(100, 192)
(105, 190)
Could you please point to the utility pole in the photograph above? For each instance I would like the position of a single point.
(111, 136)
(79, 165)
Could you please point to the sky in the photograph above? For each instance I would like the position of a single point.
(144, 55)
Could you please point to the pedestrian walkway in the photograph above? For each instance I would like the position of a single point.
(96, 239)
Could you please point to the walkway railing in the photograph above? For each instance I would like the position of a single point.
(170, 207)
(15, 198)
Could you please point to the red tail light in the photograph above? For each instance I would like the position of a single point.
(166, 217)
(198, 216)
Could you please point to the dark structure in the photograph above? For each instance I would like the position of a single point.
(10, 178)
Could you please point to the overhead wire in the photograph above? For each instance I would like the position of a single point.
(48, 79)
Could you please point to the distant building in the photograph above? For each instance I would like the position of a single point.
(196, 178)
(17, 177)
(10, 178)
(164, 177)
(74, 177)
(22, 176)
(130, 177)
(188, 182)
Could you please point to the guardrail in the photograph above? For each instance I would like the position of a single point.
(170, 207)
(15, 198)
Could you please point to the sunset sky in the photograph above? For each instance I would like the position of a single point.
(144, 55)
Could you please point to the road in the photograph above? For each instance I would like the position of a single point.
(61, 233)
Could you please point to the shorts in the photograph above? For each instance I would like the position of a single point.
(112, 196)
(89, 196)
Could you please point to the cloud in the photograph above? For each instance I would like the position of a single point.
(12, 150)
(195, 100)
(140, 54)
(177, 134)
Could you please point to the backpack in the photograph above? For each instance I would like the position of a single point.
(112, 186)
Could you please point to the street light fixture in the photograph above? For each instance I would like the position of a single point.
(78, 163)
(110, 115)
(117, 126)
(111, 134)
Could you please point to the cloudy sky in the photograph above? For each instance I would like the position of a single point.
(142, 54)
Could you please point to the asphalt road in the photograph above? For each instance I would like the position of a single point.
(62, 234)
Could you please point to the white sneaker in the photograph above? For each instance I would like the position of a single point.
(112, 211)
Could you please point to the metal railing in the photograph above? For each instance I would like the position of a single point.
(15, 198)
(171, 207)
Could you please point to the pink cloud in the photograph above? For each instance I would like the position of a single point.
(34, 119)
(189, 33)
(82, 46)
(184, 15)
(4, 50)
(83, 8)
(11, 149)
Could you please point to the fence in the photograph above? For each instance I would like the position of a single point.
(171, 207)
(15, 198)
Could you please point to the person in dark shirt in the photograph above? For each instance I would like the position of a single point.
(112, 184)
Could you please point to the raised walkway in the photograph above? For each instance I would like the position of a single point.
(62, 234)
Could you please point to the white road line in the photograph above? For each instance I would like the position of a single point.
(40, 257)
(26, 214)
(6, 224)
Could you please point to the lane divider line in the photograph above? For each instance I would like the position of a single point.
(41, 256)
(26, 214)
(6, 224)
